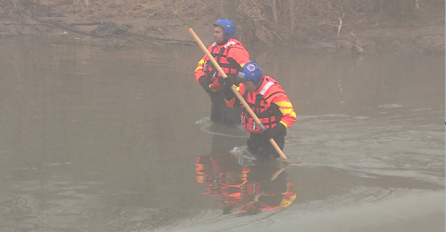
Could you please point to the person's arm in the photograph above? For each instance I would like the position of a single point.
(229, 95)
(281, 100)
(286, 108)
(199, 72)
(200, 75)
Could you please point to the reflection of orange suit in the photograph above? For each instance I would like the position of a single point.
(272, 194)
(268, 201)
(239, 185)
(222, 174)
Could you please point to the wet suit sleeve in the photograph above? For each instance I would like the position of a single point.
(285, 107)
(199, 72)
(230, 98)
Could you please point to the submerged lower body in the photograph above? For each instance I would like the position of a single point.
(262, 148)
(221, 113)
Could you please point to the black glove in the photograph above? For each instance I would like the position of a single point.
(226, 82)
(228, 94)
(275, 131)
(204, 83)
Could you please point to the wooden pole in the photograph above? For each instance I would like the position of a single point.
(239, 96)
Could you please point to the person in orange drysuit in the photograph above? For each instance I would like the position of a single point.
(269, 102)
(231, 55)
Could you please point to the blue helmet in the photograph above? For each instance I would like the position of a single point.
(252, 72)
(228, 27)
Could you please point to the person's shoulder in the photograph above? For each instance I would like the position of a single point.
(267, 79)
(270, 79)
(273, 86)
(235, 40)
(212, 45)
(234, 43)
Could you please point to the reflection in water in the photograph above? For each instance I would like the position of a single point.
(247, 190)
(100, 141)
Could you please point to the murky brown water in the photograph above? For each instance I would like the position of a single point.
(107, 140)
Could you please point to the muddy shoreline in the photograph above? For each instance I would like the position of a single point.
(59, 23)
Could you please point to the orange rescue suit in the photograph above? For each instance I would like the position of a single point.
(231, 56)
(269, 102)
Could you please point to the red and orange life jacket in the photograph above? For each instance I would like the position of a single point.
(260, 103)
(221, 55)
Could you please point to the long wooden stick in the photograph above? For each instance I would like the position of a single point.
(239, 96)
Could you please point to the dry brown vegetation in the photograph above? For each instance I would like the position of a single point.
(274, 20)
(279, 20)
(266, 21)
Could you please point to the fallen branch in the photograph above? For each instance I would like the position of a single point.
(141, 38)
(187, 42)
(86, 24)
(72, 29)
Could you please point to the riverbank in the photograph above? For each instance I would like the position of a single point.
(151, 24)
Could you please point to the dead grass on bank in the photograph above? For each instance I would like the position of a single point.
(272, 21)
(183, 9)
(275, 21)
(264, 21)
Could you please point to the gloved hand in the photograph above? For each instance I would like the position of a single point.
(272, 132)
(226, 82)
(204, 83)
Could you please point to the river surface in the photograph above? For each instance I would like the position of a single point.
(101, 140)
